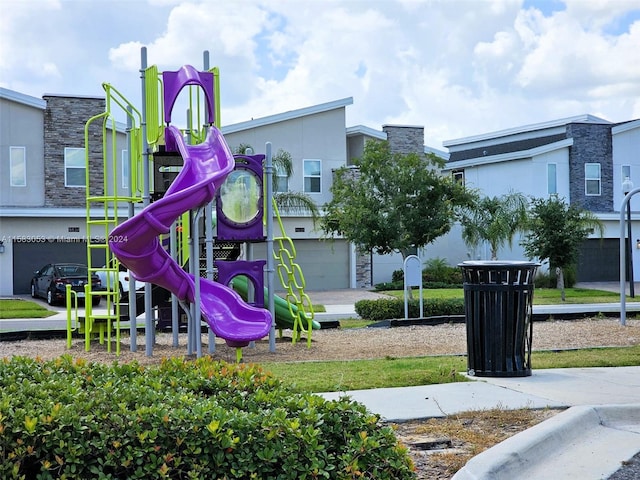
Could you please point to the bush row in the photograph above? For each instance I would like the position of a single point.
(183, 419)
(386, 309)
(381, 287)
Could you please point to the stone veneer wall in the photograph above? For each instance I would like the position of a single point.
(64, 122)
(591, 144)
(405, 139)
(363, 269)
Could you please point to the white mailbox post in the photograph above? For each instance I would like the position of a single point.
(412, 278)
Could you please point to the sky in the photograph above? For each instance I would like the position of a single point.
(457, 67)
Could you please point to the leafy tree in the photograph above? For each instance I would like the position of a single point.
(556, 232)
(393, 202)
(289, 201)
(495, 220)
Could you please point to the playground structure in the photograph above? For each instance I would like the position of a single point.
(177, 175)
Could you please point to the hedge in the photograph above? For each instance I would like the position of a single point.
(386, 309)
(70, 419)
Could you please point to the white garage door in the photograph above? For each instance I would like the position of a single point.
(325, 265)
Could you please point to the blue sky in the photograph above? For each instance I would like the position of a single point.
(457, 67)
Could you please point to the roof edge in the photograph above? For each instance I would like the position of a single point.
(22, 98)
(289, 115)
(364, 130)
(585, 118)
(505, 157)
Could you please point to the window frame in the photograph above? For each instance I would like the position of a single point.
(68, 151)
(278, 179)
(306, 176)
(13, 168)
(552, 181)
(588, 179)
(458, 176)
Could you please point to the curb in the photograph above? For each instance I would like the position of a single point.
(586, 442)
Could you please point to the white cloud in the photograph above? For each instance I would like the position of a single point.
(458, 67)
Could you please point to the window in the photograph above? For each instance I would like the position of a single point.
(74, 167)
(125, 169)
(458, 176)
(18, 166)
(312, 176)
(280, 181)
(552, 180)
(592, 179)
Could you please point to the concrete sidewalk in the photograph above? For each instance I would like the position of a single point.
(591, 440)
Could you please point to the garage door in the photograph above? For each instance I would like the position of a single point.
(599, 261)
(31, 256)
(325, 265)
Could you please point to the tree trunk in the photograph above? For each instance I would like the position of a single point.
(494, 252)
(560, 282)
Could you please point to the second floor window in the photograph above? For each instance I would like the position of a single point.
(18, 166)
(458, 176)
(74, 167)
(592, 179)
(280, 181)
(312, 176)
(552, 179)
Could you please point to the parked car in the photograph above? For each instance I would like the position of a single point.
(122, 280)
(50, 282)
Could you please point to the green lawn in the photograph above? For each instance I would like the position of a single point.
(541, 296)
(14, 308)
(404, 372)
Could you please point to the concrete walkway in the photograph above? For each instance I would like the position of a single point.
(589, 441)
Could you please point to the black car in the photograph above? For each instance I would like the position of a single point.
(50, 282)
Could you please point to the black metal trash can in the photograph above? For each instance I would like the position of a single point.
(498, 298)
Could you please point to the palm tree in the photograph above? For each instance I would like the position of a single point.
(495, 220)
(285, 200)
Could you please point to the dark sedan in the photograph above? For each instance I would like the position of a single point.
(50, 282)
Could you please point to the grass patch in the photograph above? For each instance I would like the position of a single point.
(16, 308)
(541, 296)
(551, 296)
(588, 357)
(405, 372)
(338, 376)
(354, 322)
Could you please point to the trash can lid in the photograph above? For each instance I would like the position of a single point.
(497, 263)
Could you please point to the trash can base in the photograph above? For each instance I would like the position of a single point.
(480, 373)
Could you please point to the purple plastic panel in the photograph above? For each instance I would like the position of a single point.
(231, 231)
(253, 270)
(174, 82)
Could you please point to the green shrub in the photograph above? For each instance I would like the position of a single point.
(385, 309)
(549, 278)
(397, 276)
(183, 419)
(436, 272)
(381, 287)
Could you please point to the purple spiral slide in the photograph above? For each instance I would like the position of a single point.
(136, 244)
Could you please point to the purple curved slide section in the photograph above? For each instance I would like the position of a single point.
(136, 244)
